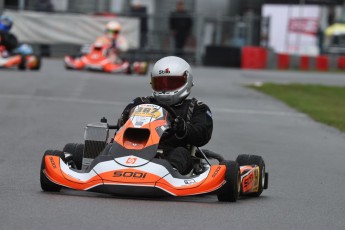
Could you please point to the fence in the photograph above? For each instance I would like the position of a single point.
(155, 38)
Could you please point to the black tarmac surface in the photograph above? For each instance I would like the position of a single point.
(46, 109)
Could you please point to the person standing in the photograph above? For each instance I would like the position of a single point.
(44, 6)
(180, 25)
(138, 10)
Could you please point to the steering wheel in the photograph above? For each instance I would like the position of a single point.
(168, 108)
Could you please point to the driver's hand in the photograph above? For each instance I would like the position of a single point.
(179, 126)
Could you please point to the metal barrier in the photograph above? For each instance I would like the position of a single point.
(157, 40)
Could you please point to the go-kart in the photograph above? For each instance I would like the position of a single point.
(132, 165)
(98, 59)
(22, 57)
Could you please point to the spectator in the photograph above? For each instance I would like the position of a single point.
(180, 26)
(138, 10)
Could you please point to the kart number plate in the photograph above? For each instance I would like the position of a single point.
(147, 111)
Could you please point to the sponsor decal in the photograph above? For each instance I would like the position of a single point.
(133, 175)
(216, 172)
(247, 182)
(145, 111)
(167, 70)
(52, 162)
(131, 160)
(256, 179)
(189, 181)
(306, 26)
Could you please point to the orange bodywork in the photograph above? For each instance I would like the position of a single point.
(13, 61)
(153, 139)
(98, 58)
(132, 176)
(55, 174)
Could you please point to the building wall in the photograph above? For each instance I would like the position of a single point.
(84, 6)
(212, 8)
(1, 5)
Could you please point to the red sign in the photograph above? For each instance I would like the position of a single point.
(303, 25)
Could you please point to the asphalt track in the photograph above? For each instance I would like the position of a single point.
(46, 109)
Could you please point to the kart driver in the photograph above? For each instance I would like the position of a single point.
(8, 41)
(171, 81)
(117, 42)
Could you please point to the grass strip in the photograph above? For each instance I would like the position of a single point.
(325, 104)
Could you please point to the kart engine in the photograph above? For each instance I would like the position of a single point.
(95, 136)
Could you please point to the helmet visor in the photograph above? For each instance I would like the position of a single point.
(113, 31)
(168, 83)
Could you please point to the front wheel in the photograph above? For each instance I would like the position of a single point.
(22, 64)
(230, 191)
(77, 151)
(46, 183)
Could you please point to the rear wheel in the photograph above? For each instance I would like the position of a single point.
(230, 191)
(46, 183)
(35, 62)
(245, 159)
(77, 151)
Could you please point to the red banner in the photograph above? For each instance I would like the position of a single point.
(303, 25)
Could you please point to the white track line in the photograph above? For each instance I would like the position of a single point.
(97, 102)
(259, 112)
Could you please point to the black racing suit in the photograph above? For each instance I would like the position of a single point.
(8, 40)
(198, 131)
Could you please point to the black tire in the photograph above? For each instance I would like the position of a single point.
(46, 184)
(77, 151)
(230, 191)
(129, 69)
(22, 65)
(245, 159)
(39, 61)
(68, 67)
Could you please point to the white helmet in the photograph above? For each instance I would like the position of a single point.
(171, 80)
(113, 28)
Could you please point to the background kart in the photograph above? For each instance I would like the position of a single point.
(132, 165)
(97, 59)
(22, 57)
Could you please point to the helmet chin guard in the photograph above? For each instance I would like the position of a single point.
(171, 80)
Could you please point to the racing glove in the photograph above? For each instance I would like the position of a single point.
(179, 126)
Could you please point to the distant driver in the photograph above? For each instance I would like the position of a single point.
(117, 42)
(8, 41)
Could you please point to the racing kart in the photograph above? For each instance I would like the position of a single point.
(98, 59)
(22, 57)
(131, 164)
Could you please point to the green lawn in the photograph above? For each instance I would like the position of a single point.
(325, 104)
